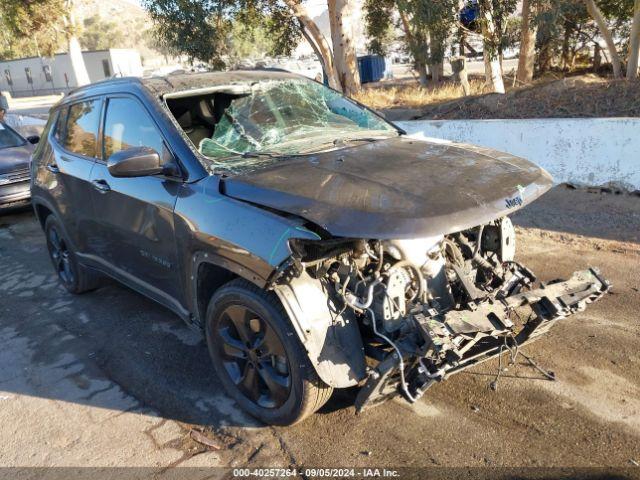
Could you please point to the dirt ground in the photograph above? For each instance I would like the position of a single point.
(580, 96)
(110, 378)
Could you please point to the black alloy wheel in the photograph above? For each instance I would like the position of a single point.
(61, 256)
(258, 356)
(254, 357)
(75, 277)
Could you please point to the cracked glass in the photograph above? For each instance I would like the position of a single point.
(288, 117)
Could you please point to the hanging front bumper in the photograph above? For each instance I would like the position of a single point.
(459, 339)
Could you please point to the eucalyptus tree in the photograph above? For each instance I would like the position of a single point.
(44, 21)
(426, 27)
(200, 29)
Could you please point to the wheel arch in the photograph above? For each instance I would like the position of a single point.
(207, 273)
(331, 339)
(42, 211)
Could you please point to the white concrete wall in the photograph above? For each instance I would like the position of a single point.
(126, 62)
(121, 61)
(587, 151)
(59, 65)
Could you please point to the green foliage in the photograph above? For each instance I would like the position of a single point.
(197, 29)
(378, 24)
(565, 28)
(31, 27)
(216, 31)
(616, 10)
(427, 28)
(100, 34)
(437, 18)
(283, 29)
(500, 10)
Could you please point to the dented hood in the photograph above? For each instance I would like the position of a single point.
(394, 188)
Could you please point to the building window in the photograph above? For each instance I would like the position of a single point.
(27, 71)
(106, 68)
(47, 73)
(7, 76)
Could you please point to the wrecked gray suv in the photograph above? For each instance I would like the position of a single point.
(313, 243)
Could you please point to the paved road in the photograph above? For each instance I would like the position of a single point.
(475, 67)
(109, 378)
(33, 106)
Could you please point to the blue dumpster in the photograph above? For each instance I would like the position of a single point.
(371, 68)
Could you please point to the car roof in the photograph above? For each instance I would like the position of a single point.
(162, 85)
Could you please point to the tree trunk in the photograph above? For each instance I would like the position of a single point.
(77, 62)
(459, 68)
(544, 56)
(75, 51)
(597, 58)
(597, 16)
(491, 54)
(462, 38)
(418, 46)
(344, 51)
(322, 45)
(634, 43)
(436, 68)
(566, 46)
(423, 77)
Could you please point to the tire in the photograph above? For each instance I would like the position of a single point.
(287, 390)
(75, 277)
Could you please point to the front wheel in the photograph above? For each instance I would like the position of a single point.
(258, 357)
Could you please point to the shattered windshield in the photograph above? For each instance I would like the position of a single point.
(288, 117)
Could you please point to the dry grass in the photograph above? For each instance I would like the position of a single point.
(411, 95)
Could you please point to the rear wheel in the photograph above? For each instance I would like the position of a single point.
(73, 276)
(259, 358)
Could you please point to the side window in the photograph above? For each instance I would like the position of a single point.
(128, 125)
(61, 123)
(82, 128)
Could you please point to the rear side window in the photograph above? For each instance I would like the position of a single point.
(61, 124)
(127, 124)
(82, 128)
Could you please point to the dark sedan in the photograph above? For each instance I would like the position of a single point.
(15, 155)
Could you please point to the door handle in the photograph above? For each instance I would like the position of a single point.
(101, 185)
(53, 168)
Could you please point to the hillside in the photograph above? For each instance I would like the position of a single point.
(129, 18)
(581, 96)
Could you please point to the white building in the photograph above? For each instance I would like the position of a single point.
(45, 76)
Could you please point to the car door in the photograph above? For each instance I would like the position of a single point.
(67, 173)
(133, 231)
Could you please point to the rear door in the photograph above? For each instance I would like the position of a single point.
(67, 173)
(133, 234)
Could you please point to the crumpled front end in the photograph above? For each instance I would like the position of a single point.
(426, 308)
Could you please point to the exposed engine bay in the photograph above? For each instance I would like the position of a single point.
(426, 308)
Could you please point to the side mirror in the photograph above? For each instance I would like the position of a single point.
(135, 162)
(33, 139)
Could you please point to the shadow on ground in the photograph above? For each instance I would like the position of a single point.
(587, 212)
(111, 348)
